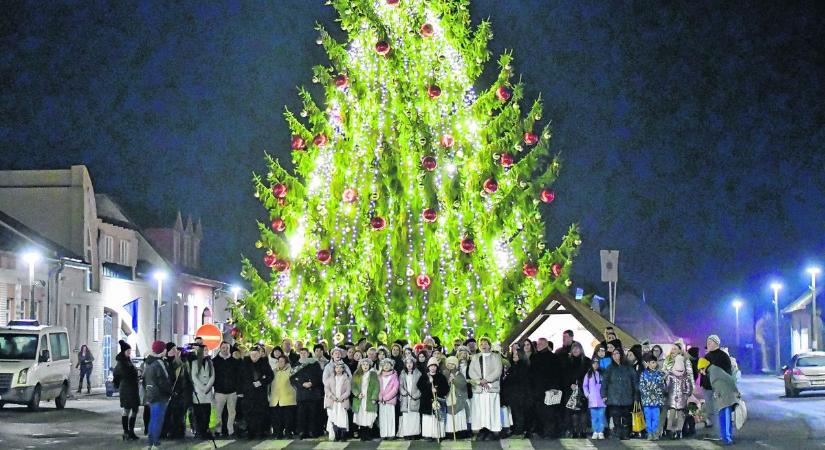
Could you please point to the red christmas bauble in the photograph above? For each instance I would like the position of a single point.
(427, 30)
(490, 185)
(278, 225)
(393, 2)
(447, 141)
(429, 163)
(433, 91)
(422, 280)
(503, 94)
(349, 195)
(506, 160)
(555, 269)
(298, 143)
(320, 140)
(270, 259)
(467, 245)
(429, 215)
(341, 81)
(530, 138)
(281, 265)
(547, 195)
(530, 270)
(234, 332)
(324, 256)
(378, 223)
(279, 190)
(382, 48)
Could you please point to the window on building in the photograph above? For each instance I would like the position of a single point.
(124, 252)
(109, 248)
(207, 316)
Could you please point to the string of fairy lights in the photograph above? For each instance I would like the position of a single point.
(334, 237)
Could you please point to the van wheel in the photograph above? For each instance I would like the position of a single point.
(34, 403)
(60, 400)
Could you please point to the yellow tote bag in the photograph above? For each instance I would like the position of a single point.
(638, 418)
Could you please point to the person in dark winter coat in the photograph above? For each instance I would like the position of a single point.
(545, 374)
(85, 361)
(174, 425)
(619, 387)
(575, 367)
(255, 379)
(432, 382)
(309, 388)
(158, 389)
(720, 359)
(516, 390)
(227, 375)
(125, 380)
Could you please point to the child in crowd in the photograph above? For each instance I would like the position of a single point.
(679, 390)
(387, 397)
(592, 388)
(409, 425)
(365, 387)
(652, 388)
(336, 400)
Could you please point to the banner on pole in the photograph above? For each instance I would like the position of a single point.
(610, 265)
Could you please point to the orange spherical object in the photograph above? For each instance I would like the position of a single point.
(349, 195)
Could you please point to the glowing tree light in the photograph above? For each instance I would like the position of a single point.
(416, 200)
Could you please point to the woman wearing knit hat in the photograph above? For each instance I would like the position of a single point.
(336, 399)
(126, 382)
(720, 359)
(365, 389)
(409, 425)
(433, 386)
(387, 398)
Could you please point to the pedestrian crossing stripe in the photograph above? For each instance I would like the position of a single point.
(457, 445)
(394, 445)
(699, 444)
(576, 443)
(206, 445)
(516, 444)
(331, 445)
(274, 444)
(639, 444)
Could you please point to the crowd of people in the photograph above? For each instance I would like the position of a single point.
(425, 391)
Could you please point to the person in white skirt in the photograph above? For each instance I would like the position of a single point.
(336, 355)
(336, 400)
(365, 389)
(485, 377)
(456, 399)
(409, 425)
(433, 386)
(387, 397)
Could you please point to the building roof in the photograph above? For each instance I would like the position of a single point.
(558, 303)
(800, 303)
(640, 319)
(16, 237)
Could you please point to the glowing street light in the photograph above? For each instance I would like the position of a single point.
(776, 288)
(814, 271)
(159, 276)
(737, 305)
(235, 291)
(31, 258)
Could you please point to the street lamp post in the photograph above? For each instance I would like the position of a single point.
(776, 287)
(159, 277)
(31, 258)
(737, 304)
(235, 291)
(814, 271)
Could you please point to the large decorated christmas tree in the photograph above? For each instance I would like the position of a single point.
(415, 203)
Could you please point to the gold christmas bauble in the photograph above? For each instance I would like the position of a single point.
(259, 244)
(399, 281)
(456, 291)
(410, 272)
(577, 242)
(542, 245)
(374, 196)
(568, 282)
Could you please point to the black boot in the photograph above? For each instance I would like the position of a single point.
(124, 420)
(363, 432)
(132, 435)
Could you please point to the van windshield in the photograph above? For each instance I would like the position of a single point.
(18, 346)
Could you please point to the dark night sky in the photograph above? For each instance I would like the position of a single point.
(692, 132)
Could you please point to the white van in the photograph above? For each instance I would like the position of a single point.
(34, 364)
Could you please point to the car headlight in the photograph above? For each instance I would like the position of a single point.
(21, 377)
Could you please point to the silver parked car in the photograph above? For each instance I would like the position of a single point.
(806, 372)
